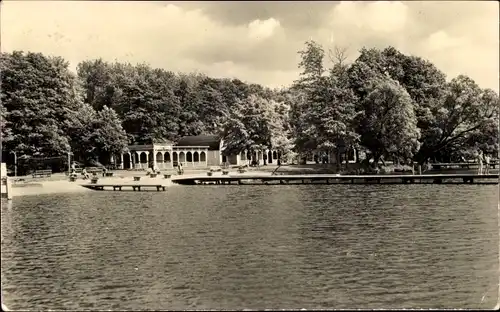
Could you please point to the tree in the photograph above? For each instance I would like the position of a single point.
(6, 130)
(307, 95)
(38, 92)
(447, 113)
(462, 111)
(388, 125)
(109, 137)
(96, 134)
(96, 77)
(325, 109)
(249, 126)
(190, 122)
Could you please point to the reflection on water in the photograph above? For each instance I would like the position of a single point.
(234, 247)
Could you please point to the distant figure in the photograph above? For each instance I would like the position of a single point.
(85, 174)
(480, 162)
(104, 170)
(179, 168)
(462, 158)
(73, 167)
(486, 164)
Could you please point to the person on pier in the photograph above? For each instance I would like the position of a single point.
(480, 162)
(179, 168)
(487, 164)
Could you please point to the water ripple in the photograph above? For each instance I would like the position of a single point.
(233, 247)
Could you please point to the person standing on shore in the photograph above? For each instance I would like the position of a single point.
(85, 174)
(486, 164)
(480, 162)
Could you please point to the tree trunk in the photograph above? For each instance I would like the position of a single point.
(376, 158)
(338, 160)
(346, 159)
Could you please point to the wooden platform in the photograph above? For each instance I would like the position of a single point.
(119, 187)
(463, 165)
(341, 179)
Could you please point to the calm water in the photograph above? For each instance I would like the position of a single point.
(235, 247)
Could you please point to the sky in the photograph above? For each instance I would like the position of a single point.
(255, 41)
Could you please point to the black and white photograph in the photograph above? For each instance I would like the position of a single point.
(249, 155)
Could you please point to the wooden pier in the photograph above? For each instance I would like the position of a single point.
(341, 179)
(119, 187)
(462, 165)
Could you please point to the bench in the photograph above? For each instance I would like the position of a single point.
(109, 174)
(167, 176)
(153, 175)
(137, 178)
(225, 172)
(42, 173)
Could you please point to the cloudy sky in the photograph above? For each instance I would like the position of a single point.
(255, 41)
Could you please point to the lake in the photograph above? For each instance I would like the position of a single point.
(254, 247)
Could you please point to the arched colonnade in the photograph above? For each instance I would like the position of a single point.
(271, 156)
(142, 159)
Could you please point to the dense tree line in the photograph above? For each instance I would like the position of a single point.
(392, 106)
(389, 104)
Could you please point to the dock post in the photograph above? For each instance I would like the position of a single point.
(419, 169)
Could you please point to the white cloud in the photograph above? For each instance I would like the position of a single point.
(380, 16)
(440, 41)
(459, 37)
(385, 16)
(258, 29)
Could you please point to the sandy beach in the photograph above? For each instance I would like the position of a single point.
(59, 183)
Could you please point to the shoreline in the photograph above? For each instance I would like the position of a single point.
(59, 182)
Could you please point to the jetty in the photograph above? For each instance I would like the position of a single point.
(120, 187)
(340, 179)
(462, 165)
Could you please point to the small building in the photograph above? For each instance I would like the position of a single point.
(163, 154)
(215, 154)
(198, 151)
(211, 143)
